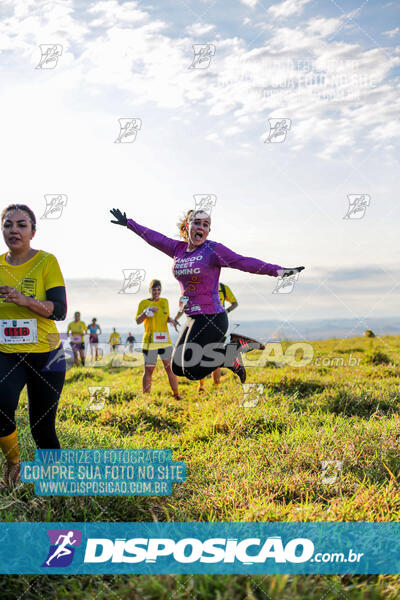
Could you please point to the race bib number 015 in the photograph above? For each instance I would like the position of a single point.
(18, 331)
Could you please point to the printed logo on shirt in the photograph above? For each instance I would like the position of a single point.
(187, 259)
(28, 287)
(195, 307)
(186, 266)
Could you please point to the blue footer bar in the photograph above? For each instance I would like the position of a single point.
(246, 548)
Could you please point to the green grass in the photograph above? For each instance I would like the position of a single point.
(244, 464)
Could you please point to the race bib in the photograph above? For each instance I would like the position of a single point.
(183, 300)
(76, 339)
(160, 337)
(18, 331)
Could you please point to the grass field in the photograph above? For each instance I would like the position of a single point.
(244, 464)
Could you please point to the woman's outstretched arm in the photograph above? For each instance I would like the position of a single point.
(154, 238)
(224, 257)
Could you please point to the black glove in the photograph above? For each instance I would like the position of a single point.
(121, 218)
(287, 272)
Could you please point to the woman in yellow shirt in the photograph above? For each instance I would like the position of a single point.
(154, 312)
(32, 297)
(77, 329)
(114, 340)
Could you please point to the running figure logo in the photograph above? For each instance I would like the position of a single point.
(330, 470)
(132, 280)
(285, 285)
(59, 359)
(98, 395)
(357, 206)
(50, 55)
(278, 129)
(252, 392)
(61, 552)
(203, 54)
(204, 202)
(55, 203)
(128, 129)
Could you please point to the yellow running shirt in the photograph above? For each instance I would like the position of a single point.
(156, 333)
(228, 295)
(115, 339)
(33, 278)
(77, 329)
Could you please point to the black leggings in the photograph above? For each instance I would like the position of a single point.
(197, 333)
(44, 375)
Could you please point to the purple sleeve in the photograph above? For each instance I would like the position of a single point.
(158, 240)
(224, 257)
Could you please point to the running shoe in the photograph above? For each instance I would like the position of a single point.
(245, 344)
(239, 369)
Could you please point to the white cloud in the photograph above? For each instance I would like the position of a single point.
(199, 29)
(230, 131)
(250, 3)
(385, 131)
(392, 32)
(288, 8)
(111, 12)
(323, 27)
(34, 23)
(214, 137)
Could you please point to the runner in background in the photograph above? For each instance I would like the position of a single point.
(77, 329)
(94, 330)
(32, 297)
(225, 295)
(130, 340)
(114, 340)
(154, 312)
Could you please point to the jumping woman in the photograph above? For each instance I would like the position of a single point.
(32, 297)
(200, 348)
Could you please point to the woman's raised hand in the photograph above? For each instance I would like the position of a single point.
(121, 218)
(287, 272)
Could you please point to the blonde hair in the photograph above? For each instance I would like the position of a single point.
(184, 222)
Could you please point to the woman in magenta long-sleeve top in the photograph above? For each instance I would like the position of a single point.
(197, 265)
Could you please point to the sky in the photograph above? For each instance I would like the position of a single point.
(326, 71)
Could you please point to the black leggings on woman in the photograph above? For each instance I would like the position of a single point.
(44, 375)
(199, 349)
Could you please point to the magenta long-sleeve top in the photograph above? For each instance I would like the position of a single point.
(198, 271)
